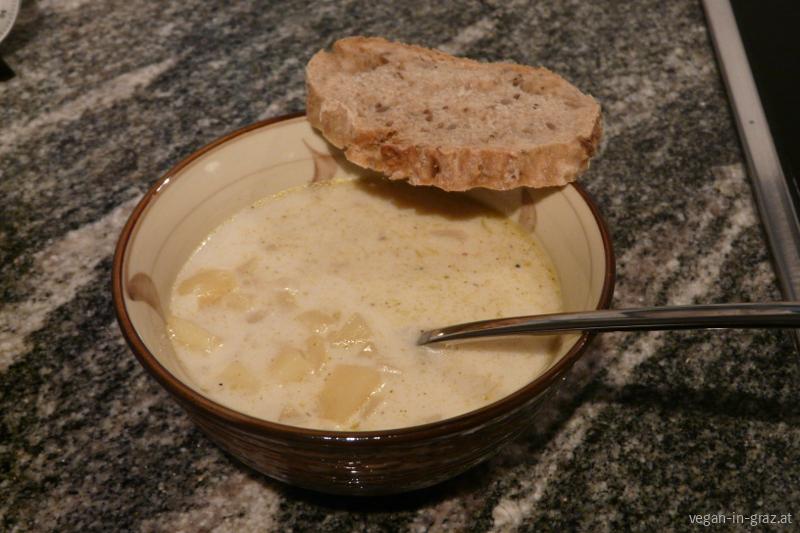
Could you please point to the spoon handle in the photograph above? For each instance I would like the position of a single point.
(749, 315)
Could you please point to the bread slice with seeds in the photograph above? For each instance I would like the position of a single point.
(434, 119)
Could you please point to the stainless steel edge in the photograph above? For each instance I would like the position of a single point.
(771, 190)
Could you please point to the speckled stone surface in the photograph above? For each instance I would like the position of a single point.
(652, 428)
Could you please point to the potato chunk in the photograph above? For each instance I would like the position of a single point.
(210, 285)
(191, 335)
(291, 366)
(317, 321)
(354, 331)
(238, 377)
(316, 352)
(347, 388)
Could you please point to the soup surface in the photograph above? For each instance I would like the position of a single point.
(305, 307)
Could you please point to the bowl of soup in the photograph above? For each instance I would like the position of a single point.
(276, 291)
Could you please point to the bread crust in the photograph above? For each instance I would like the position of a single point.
(449, 166)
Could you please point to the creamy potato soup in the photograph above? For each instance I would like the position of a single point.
(305, 307)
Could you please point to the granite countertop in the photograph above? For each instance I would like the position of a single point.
(652, 428)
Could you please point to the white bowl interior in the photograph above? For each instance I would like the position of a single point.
(221, 181)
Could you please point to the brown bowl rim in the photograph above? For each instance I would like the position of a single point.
(473, 419)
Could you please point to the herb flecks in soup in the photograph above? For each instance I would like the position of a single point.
(305, 307)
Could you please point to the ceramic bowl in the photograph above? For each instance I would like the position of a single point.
(218, 180)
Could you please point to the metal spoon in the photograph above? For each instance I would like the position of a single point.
(761, 315)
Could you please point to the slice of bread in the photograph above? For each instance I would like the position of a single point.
(434, 119)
